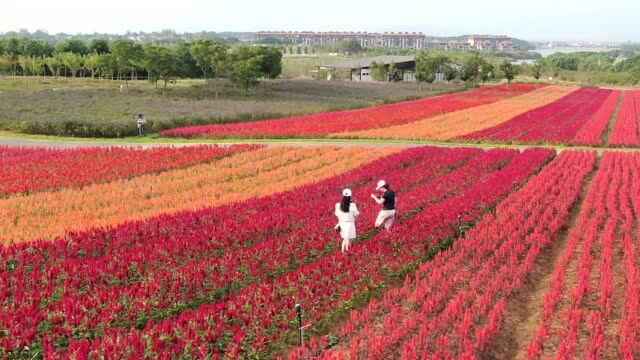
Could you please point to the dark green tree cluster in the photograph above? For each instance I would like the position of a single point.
(472, 68)
(126, 59)
(613, 67)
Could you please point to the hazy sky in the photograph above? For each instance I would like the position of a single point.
(531, 20)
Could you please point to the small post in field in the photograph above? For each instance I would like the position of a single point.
(299, 311)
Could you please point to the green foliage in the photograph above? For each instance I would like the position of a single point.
(508, 70)
(428, 64)
(72, 46)
(6, 65)
(486, 72)
(635, 74)
(246, 73)
(37, 65)
(35, 48)
(55, 64)
(349, 47)
(536, 70)
(186, 63)
(160, 63)
(270, 59)
(379, 71)
(125, 53)
(393, 70)
(92, 64)
(471, 68)
(106, 65)
(32, 65)
(559, 61)
(628, 64)
(98, 46)
(210, 56)
(450, 72)
(25, 64)
(74, 62)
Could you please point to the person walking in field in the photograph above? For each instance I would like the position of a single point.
(388, 201)
(141, 122)
(347, 212)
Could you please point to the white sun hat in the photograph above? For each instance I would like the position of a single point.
(381, 183)
(346, 192)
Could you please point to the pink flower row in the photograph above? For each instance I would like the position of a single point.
(604, 230)
(280, 260)
(592, 132)
(625, 129)
(34, 169)
(359, 119)
(453, 306)
(557, 122)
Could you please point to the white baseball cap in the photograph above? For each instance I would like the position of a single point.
(381, 183)
(346, 192)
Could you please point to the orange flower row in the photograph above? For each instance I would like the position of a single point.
(458, 123)
(235, 178)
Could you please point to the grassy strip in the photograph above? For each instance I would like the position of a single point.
(184, 105)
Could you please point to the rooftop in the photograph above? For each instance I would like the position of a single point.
(341, 33)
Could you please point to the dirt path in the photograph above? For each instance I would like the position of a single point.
(522, 312)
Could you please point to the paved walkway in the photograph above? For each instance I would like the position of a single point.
(11, 141)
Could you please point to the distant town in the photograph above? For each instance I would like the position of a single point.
(399, 40)
(394, 40)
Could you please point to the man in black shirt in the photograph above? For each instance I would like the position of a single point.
(388, 202)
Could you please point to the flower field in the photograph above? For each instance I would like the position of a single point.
(31, 169)
(323, 124)
(513, 114)
(205, 251)
(454, 124)
(592, 133)
(238, 176)
(222, 280)
(557, 122)
(625, 130)
(591, 307)
(453, 305)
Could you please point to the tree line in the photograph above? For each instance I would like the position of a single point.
(245, 65)
(616, 63)
(432, 66)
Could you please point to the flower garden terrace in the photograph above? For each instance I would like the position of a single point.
(515, 114)
(204, 252)
(501, 249)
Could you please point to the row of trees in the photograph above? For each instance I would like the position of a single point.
(612, 62)
(126, 59)
(473, 69)
(29, 47)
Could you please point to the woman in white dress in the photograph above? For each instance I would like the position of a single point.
(347, 212)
